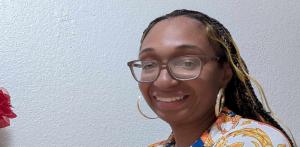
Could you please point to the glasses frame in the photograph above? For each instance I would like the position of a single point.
(203, 58)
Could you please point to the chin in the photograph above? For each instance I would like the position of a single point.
(174, 117)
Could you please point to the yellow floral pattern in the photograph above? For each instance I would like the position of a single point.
(231, 130)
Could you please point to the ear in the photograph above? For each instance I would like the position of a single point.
(227, 74)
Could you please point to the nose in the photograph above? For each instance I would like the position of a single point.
(165, 80)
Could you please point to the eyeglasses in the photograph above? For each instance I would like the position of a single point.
(180, 68)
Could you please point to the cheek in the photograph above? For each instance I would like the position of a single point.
(207, 86)
(144, 88)
(204, 90)
(212, 76)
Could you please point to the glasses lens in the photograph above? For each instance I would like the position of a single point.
(185, 68)
(145, 71)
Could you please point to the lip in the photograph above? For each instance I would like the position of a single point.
(169, 99)
(170, 102)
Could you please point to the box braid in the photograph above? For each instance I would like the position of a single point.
(239, 91)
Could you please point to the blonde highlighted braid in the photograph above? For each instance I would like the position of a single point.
(239, 91)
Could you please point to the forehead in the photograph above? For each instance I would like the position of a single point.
(169, 34)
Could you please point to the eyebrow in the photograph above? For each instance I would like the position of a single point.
(146, 50)
(190, 47)
(181, 47)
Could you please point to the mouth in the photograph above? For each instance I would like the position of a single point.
(170, 103)
(170, 99)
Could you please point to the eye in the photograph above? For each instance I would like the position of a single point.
(137, 65)
(185, 63)
(148, 65)
(188, 63)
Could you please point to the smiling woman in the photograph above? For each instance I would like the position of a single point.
(192, 76)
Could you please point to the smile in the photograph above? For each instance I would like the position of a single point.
(170, 99)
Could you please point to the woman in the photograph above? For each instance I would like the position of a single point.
(192, 76)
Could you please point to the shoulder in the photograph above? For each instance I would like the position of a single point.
(251, 132)
(158, 144)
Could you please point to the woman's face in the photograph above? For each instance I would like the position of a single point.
(171, 38)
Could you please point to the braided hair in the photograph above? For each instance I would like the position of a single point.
(243, 99)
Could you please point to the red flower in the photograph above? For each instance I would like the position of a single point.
(5, 109)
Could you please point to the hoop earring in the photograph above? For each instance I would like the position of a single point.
(219, 102)
(140, 111)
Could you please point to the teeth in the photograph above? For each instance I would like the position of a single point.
(170, 99)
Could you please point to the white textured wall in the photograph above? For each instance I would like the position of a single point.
(64, 63)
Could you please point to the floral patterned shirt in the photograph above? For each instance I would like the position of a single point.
(231, 130)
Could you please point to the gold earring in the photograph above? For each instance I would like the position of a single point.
(139, 109)
(219, 102)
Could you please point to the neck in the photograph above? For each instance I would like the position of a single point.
(187, 133)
